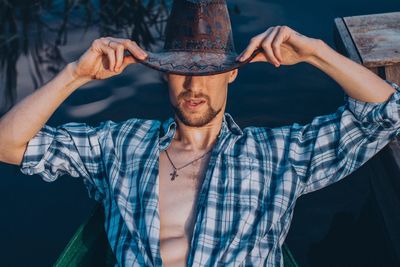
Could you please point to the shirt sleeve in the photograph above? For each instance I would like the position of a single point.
(74, 149)
(332, 146)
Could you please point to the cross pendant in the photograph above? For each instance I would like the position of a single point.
(174, 174)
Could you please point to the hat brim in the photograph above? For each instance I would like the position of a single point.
(194, 63)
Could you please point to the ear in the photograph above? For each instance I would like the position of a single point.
(232, 75)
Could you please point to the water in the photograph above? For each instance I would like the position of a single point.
(39, 218)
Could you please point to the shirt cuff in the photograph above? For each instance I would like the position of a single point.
(36, 148)
(39, 156)
(382, 114)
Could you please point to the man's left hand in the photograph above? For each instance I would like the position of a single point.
(281, 45)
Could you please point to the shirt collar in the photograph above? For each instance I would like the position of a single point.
(168, 128)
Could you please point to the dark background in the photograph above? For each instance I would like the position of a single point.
(335, 226)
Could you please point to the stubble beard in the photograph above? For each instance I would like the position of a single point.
(193, 119)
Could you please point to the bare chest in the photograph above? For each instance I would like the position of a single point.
(177, 204)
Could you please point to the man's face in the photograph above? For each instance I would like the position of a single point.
(196, 100)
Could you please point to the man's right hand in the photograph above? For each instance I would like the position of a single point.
(98, 62)
(105, 58)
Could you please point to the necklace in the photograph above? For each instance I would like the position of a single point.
(174, 174)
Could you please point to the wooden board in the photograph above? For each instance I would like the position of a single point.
(376, 37)
(392, 72)
(344, 42)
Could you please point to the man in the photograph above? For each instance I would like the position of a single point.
(196, 190)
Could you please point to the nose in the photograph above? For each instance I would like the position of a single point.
(194, 83)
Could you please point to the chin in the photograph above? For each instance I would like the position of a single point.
(198, 118)
(194, 119)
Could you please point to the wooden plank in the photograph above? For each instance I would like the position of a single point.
(344, 42)
(376, 37)
(392, 72)
(374, 70)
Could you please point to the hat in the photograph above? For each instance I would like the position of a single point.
(198, 40)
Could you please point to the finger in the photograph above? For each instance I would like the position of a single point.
(110, 54)
(253, 45)
(127, 61)
(131, 46)
(128, 42)
(118, 48)
(258, 57)
(136, 50)
(266, 45)
(276, 44)
(119, 53)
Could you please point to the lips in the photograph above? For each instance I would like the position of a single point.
(192, 103)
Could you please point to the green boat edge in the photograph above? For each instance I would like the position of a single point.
(89, 245)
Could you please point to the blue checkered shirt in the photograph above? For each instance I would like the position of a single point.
(245, 204)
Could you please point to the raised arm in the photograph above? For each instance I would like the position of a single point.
(332, 146)
(104, 58)
(26, 118)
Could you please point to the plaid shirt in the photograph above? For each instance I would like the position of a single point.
(246, 201)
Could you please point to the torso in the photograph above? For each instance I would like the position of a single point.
(177, 204)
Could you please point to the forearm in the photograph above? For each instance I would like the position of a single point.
(356, 80)
(27, 117)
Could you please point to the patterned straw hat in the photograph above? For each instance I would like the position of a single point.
(198, 40)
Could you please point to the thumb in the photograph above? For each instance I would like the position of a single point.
(127, 61)
(259, 57)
